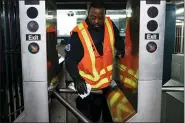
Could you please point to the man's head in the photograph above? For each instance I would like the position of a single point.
(96, 14)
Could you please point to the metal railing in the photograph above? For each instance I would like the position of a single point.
(80, 116)
(67, 90)
(173, 89)
(73, 110)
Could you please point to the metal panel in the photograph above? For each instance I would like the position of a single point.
(149, 102)
(36, 102)
(34, 64)
(175, 73)
(151, 65)
(35, 85)
(169, 42)
(184, 53)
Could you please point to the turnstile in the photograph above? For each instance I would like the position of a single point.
(34, 60)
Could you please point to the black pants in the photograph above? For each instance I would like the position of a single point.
(93, 106)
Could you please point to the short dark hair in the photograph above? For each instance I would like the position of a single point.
(97, 4)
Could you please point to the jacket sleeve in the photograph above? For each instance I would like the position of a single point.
(74, 53)
(119, 41)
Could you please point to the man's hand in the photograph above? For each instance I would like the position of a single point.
(80, 85)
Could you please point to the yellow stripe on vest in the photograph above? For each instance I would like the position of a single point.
(114, 98)
(92, 56)
(102, 72)
(100, 83)
(122, 67)
(130, 82)
(110, 35)
(109, 68)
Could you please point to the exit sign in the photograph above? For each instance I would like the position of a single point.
(33, 37)
(152, 36)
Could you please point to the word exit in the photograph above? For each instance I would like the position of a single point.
(33, 37)
(152, 36)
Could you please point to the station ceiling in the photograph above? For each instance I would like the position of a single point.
(82, 4)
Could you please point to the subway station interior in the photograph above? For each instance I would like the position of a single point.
(36, 87)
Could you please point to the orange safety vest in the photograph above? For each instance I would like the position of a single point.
(50, 28)
(128, 66)
(120, 107)
(95, 69)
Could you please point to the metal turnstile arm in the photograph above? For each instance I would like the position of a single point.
(73, 110)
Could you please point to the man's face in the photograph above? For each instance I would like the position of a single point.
(96, 17)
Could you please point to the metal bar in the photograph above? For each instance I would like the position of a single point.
(20, 118)
(172, 89)
(68, 90)
(182, 31)
(73, 110)
(16, 111)
(12, 52)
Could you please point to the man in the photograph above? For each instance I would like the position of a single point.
(89, 59)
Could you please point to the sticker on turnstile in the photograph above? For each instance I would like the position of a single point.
(151, 47)
(152, 36)
(33, 37)
(33, 48)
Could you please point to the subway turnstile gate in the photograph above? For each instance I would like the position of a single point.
(34, 61)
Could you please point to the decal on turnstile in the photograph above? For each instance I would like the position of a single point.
(33, 48)
(152, 26)
(151, 47)
(152, 12)
(152, 36)
(152, 1)
(31, 2)
(32, 12)
(33, 37)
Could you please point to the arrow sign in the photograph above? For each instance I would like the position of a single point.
(33, 48)
(151, 47)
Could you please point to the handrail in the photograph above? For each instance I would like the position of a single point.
(173, 89)
(68, 90)
(164, 89)
(73, 110)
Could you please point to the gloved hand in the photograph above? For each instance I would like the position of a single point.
(80, 85)
(120, 54)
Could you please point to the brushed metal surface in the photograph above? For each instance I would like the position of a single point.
(149, 102)
(36, 102)
(151, 64)
(34, 65)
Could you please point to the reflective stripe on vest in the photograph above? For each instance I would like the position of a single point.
(114, 98)
(110, 35)
(119, 106)
(96, 76)
(130, 71)
(130, 82)
(100, 83)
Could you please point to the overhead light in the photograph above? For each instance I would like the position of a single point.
(179, 11)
